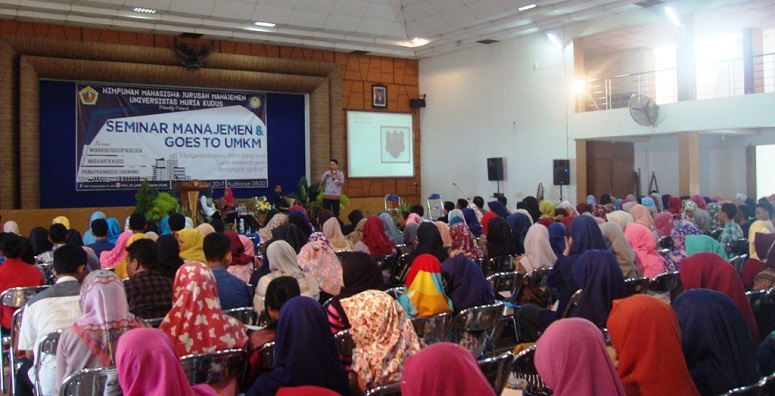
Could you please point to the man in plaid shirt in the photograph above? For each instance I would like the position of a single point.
(148, 292)
(731, 231)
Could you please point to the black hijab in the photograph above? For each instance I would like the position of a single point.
(429, 242)
(533, 208)
(355, 216)
(169, 255)
(499, 239)
(359, 273)
(39, 240)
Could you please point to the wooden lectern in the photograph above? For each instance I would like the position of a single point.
(189, 195)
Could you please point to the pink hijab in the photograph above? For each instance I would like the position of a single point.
(111, 258)
(700, 201)
(444, 231)
(538, 250)
(641, 215)
(444, 369)
(664, 223)
(571, 358)
(414, 218)
(144, 351)
(648, 261)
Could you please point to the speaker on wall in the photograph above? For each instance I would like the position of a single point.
(561, 172)
(495, 169)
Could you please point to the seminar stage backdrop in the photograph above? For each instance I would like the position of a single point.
(98, 150)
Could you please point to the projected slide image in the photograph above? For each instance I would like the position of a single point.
(395, 144)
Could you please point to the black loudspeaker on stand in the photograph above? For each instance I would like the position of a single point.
(561, 172)
(495, 169)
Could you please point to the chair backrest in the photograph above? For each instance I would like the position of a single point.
(537, 278)
(246, 315)
(665, 282)
(497, 370)
(341, 254)
(574, 300)
(636, 285)
(738, 261)
(399, 270)
(16, 297)
(392, 202)
(474, 327)
(395, 292)
(768, 385)
(505, 281)
(737, 247)
(208, 368)
(152, 322)
(432, 329)
(498, 264)
(524, 368)
(385, 390)
(666, 242)
(385, 262)
(267, 356)
(750, 390)
(48, 345)
(344, 342)
(92, 382)
(759, 298)
(716, 233)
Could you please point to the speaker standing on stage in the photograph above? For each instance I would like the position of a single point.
(333, 179)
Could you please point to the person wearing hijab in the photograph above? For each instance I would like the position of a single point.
(390, 228)
(290, 233)
(383, 337)
(359, 273)
(283, 262)
(428, 242)
(120, 268)
(302, 338)
(39, 240)
(191, 245)
(114, 230)
(648, 261)
(641, 215)
(538, 250)
(355, 236)
(709, 271)
(164, 226)
(703, 243)
(169, 255)
(547, 210)
(702, 220)
(265, 233)
(317, 258)
(424, 291)
(472, 222)
(650, 205)
(355, 217)
(486, 221)
(765, 249)
(444, 369)
(333, 231)
(519, 224)
(91, 341)
(675, 207)
(205, 229)
(663, 222)
(687, 212)
(443, 228)
(572, 359)
(618, 245)
(466, 285)
(61, 220)
(88, 236)
(410, 236)
(499, 239)
(717, 345)
(498, 209)
(755, 264)
(620, 218)
(196, 324)
(647, 338)
(111, 258)
(601, 281)
(143, 351)
(681, 229)
(11, 227)
(557, 233)
(533, 207)
(463, 241)
(374, 241)
(300, 220)
(242, 262)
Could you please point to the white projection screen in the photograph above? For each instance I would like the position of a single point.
(379, 144)
(765, 163)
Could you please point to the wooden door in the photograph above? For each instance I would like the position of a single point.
(610, 168)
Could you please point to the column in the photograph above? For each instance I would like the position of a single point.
(753, 79)
(688, 163)
(686, 69)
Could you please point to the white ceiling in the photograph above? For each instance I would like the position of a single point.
(378, 26)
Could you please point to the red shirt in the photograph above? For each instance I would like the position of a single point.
(16, 273)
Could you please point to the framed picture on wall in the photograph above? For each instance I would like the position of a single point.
(379, 96)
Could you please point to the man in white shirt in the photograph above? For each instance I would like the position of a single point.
(58, 307)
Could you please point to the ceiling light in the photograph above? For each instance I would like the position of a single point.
(527, 7)
(265, 24)
(579, 86)
(555, 40)
(673, 16)
(418, 42)
(144, 10)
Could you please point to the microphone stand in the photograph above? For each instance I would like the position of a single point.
(461, 191)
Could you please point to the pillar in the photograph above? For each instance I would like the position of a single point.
(688, 163)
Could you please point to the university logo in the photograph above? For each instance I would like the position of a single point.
(395, 143)
(255, 102)
(88, 96)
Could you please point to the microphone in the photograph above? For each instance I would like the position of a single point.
(461, 191)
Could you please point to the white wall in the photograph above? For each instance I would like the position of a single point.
(501, 100)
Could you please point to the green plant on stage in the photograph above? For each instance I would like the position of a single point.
(144, 197)
(164, 204)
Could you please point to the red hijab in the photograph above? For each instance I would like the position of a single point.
(228, 196)
(700, 201)
(486, 220)
(375, 238)
(710, 271)
(238, 255)
(674, 205)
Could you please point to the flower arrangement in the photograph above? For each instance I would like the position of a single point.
(262, 205)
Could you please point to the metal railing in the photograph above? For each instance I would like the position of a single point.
(713, 80)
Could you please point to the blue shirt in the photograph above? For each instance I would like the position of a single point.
(100, 246)
(232, 291)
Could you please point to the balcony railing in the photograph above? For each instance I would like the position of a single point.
(713, 80)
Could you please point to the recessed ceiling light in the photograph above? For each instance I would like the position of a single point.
(417, 42)
(144, 10)
(673, 16)
(265, 24)
(527, 7)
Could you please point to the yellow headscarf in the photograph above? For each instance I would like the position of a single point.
(191, 245)
(547, 209)
(121, 266)
(62, 220)
(757, 226)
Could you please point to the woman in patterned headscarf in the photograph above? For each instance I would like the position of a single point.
(681, 229)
